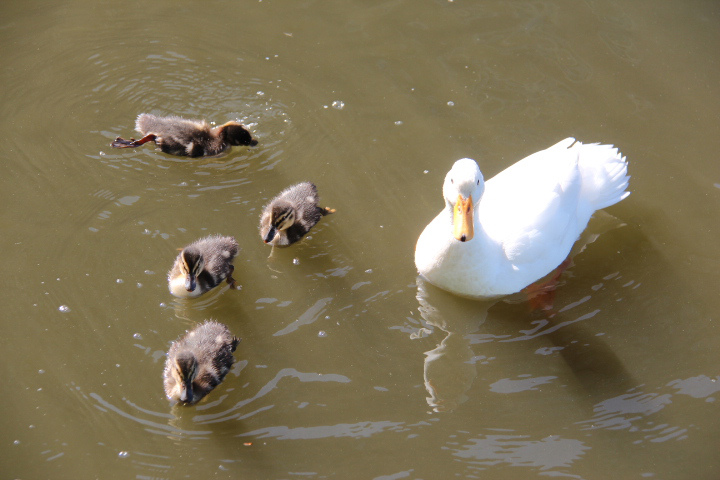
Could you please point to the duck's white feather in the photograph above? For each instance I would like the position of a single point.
(526, 218)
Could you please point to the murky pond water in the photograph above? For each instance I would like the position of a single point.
(349, 366)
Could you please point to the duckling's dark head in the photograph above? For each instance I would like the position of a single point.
(184, 372)
(193, 263)
(282, 217)
(236, 134)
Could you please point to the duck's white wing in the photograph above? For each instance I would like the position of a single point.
(531, 207)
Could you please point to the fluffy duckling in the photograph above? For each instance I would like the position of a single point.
(198, 362)
(192, 138)
(290, 215)
(202, 266)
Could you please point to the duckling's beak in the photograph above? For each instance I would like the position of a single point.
(186, 393)
(190, 283)
(270, 234)
(463, 219)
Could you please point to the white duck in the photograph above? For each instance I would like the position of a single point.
(497, 237)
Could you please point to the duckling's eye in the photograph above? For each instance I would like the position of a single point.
(452, 181)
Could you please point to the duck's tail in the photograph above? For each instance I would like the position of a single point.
(604, 174)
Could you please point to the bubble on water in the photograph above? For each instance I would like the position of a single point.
(64, 308)
(119, 280)
(139, 285)
(369, 270)
(41, 371)
(451, 104)
(149, 272)
(296, 261)
(322, 333)
(137, 336)
(16, 442)
(399, 122)
(123, 454)
(338, 104)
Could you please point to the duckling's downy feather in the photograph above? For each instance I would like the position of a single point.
(193, 138)
(216, 253)
(203, 357)
(290, 215)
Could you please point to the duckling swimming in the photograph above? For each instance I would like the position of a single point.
(192, 138)
(198, 362)
(202, 266)
(290, 215)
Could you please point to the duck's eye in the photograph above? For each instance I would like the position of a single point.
(478, 182)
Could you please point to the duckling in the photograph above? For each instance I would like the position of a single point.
(192, 138)
(198, 362)
(290, 215)
(202, 266)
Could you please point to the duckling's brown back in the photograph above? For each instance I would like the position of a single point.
(218, 252)
(148, 123)
(179, 136)
(213, 346)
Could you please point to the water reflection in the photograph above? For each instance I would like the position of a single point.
(237, 411)
(136, 414)
(355, 430)
(308, 317)
(449, 369)
(183, 421)
(183, 308)
(594, 364)
(516, 450)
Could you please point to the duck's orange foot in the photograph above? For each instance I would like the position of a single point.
(541, 294)
(120, 142)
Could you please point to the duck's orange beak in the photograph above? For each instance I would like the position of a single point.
(463, 219)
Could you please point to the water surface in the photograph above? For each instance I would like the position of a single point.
(349, 366)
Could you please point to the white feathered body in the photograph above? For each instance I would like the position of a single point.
(526, 221)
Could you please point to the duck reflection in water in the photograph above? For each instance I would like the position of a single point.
(449, 369)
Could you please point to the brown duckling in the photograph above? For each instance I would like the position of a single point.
(192, 138)
(202, 266)
(290, 215)
(198, 362)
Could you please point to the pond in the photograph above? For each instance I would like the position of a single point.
(350, 366)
